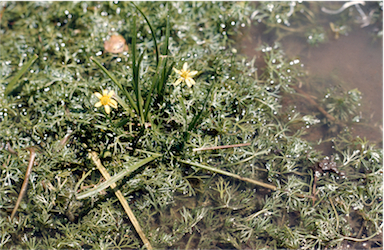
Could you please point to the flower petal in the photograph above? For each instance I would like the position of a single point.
(98, 95)
(107, 109)
(189, 81)
(185, 66)
(193, 73)
(105, 92)
(111, 93)
(113, 103)
(178, 81)
(98, 104)
(177, 71)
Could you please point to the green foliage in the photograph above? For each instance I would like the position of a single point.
(316, 36)
(343, 107)
(178, 204)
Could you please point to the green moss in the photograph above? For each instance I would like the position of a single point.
(178, 205)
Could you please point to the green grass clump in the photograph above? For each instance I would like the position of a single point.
(176, 200)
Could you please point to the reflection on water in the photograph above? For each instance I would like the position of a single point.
(352, 61)
(356, 61)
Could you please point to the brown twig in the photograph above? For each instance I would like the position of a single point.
(64, 140)
(32, 156)
(222, 147)
(309, 98)
(2, 11)
(8, 147)
(314, 193)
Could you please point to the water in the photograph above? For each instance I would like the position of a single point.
(356, 60)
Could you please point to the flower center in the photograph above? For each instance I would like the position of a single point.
(184, 73)
(104, 100)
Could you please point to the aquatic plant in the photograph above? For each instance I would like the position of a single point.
(303, 19)
(218, 165)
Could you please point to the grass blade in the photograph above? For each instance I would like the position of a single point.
(165, 74)
(135, 72)
(167, 32)
(139, 98)
(219, 171)
(124, 105)
(196, 118)
(11, 86)
(123, 201)
(152, 33)
(115, 178)
(164, 77)
(155, 81)
(134, 54)
(181, 100)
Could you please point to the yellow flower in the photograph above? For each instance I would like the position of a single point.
(185, 75)
(106, 100)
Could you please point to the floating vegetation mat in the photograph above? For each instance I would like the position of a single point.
(141, 125)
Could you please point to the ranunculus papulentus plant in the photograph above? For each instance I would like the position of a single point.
(170, 138)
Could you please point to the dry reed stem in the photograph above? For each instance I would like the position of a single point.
(222, 147)
(122, 200)
(32, 156)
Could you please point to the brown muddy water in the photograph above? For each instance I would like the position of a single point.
(352, 61)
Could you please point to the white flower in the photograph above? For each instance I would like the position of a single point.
(185, 75)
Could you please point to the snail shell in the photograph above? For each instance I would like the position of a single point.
(116, 44)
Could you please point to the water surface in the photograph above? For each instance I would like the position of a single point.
(351, 61)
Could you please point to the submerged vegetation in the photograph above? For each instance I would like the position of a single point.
(152, 102)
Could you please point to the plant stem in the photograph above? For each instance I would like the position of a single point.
(247, 159)
(222, 147)
(135, 72)
(152, 33)
(116, 178)
(32, 155)
(121, 198)
(219, 171)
